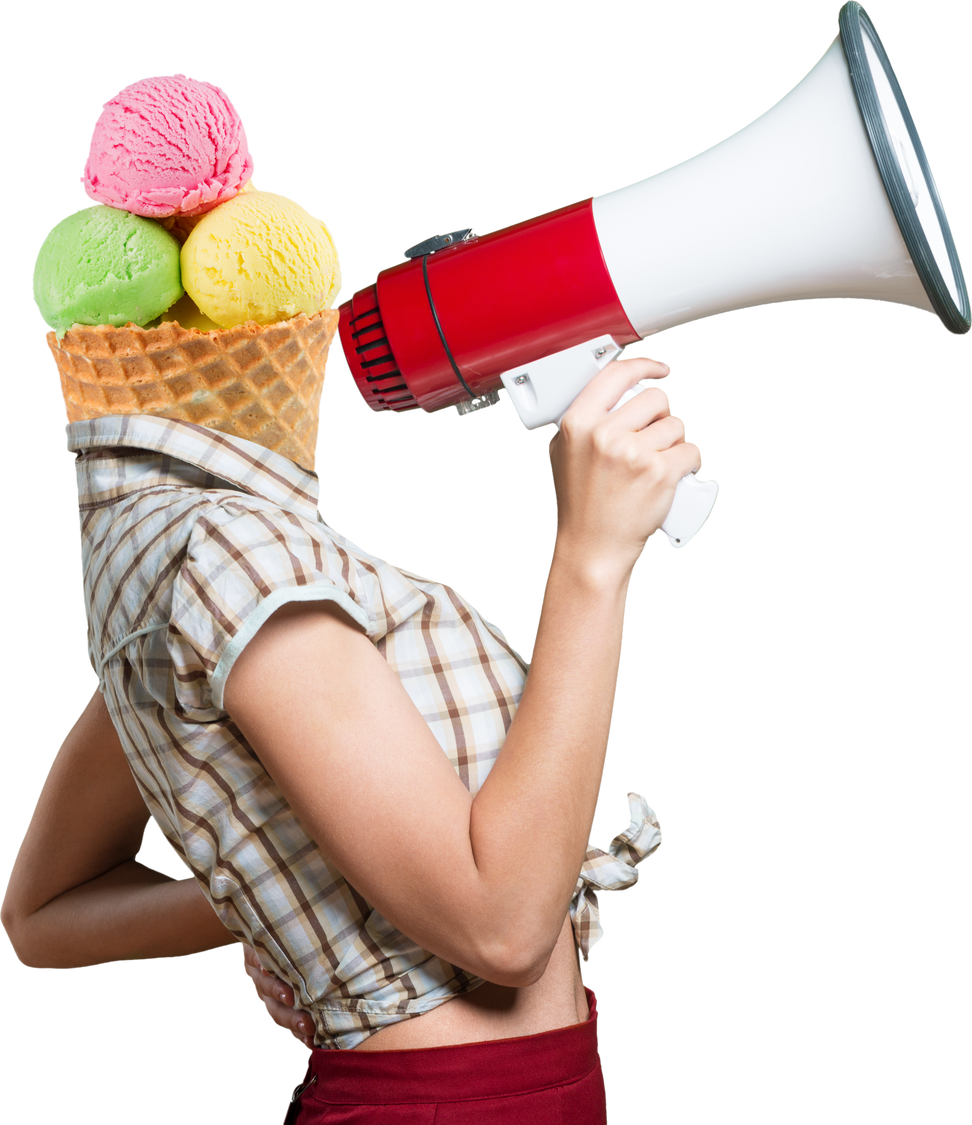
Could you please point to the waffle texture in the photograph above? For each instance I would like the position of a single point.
(260, 382)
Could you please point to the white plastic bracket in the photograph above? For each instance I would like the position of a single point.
(543, 390)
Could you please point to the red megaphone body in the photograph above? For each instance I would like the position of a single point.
(443, 326)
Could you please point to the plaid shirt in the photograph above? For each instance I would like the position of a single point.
(191, 539)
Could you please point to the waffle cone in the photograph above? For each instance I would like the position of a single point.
(259, 382)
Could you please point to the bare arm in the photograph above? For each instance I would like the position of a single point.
(484, 882)
(335, 728)
(76, 895)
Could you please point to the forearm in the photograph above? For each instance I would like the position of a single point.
(129, 912)
(530, 822)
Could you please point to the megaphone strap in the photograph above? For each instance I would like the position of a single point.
(438, 328)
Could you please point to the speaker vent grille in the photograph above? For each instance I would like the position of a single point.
(370, 356)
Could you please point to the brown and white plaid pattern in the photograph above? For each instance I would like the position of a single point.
(191, 539)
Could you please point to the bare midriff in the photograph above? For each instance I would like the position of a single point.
(494, 1011)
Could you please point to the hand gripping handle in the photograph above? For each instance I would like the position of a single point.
(542, 392)
(694, 498)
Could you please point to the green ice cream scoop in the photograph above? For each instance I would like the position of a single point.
(106, 266)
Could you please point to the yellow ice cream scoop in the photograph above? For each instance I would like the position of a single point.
(259, 257)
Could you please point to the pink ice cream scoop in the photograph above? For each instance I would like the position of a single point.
(167, 146)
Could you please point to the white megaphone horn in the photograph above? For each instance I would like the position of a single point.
(828, 194)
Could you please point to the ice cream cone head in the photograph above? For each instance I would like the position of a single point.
(259, 382)
(243, 340)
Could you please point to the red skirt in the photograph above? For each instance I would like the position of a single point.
(553, 1078)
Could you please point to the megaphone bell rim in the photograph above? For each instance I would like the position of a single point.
(854, 23)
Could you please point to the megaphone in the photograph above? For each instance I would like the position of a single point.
(829, 194)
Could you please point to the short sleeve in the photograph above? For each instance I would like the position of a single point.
(242, 563)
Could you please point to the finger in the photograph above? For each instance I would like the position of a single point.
(609, 384)
(261, 1007)
(278, 998)
(683, 459)
(662, 434)
(644, 410)
(255, 971)
(268, 986)
(297, 1022)
(693, 457)
(272, 989)
(250, 959)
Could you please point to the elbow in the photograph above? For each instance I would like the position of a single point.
(511, 943)
(532, 970)
(503, 973)
(28, 942)
(518, 976)
(16, 937)
(7, 917)
(514, 961)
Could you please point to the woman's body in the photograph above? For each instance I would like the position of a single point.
(78, 896)
(483, 879)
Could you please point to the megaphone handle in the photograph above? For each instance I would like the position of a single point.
(693, 498)
(690, 509)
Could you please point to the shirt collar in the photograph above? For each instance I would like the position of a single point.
(251, 467)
